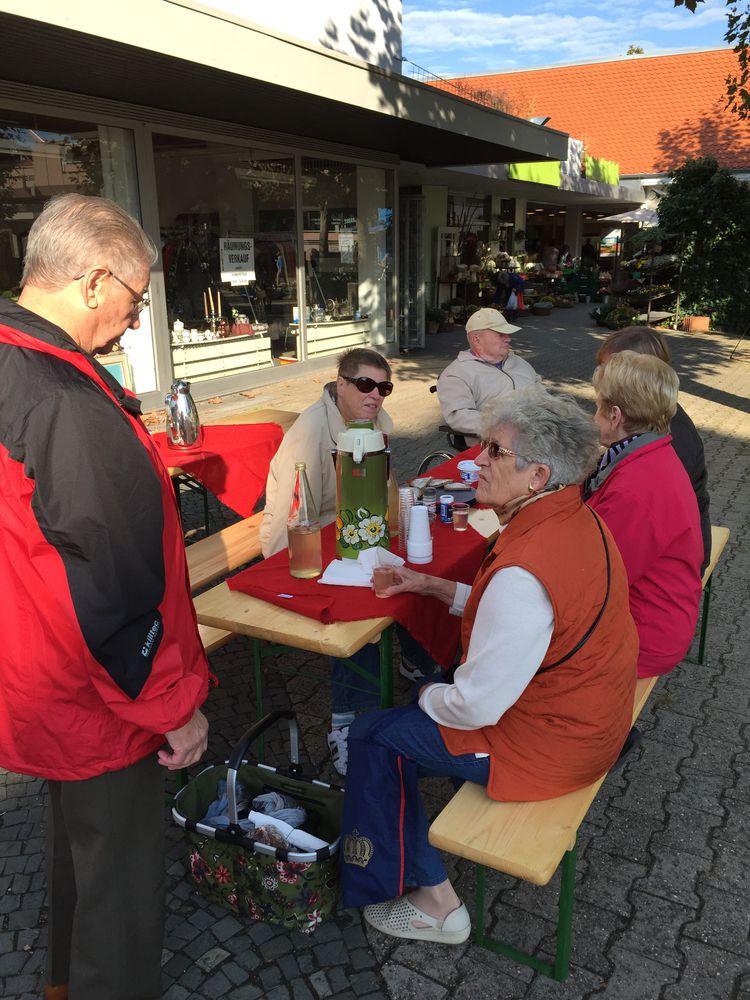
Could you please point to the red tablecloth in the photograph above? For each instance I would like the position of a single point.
(449, 469)
(232, 462)
(456, 556)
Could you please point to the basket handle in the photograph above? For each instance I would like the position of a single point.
(241, 747)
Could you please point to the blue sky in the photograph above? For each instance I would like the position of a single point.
(451, 38)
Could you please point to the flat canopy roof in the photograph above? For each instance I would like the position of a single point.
(177, 57)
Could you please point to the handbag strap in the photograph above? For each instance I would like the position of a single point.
(582, 642)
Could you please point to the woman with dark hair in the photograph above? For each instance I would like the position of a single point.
(685, 438)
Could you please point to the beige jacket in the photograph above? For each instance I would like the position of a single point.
(310, 439)
(468, 384)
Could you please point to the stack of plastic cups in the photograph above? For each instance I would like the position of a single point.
(405, 504)
(419, 544)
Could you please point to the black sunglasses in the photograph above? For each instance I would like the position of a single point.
(366, 385)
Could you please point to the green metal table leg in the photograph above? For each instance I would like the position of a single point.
(560, 969)
(565, 915)
(704, 619)
(385, 654)
(258, 671)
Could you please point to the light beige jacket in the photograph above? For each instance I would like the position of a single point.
(468, 384)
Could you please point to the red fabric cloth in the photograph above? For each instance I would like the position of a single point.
(449, 470)
(232, 462)
(457, 555)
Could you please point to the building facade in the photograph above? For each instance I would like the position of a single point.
(265, 167)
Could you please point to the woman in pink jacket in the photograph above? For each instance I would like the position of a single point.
(642, 492)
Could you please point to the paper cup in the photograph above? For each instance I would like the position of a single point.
(469, 472)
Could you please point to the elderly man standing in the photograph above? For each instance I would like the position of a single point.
(102, 671)
(487, 370)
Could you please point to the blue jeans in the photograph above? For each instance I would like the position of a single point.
(411, 732)
(351, 693)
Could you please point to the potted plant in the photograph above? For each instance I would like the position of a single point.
(543, 307)
(695, 318)
(433, 318)
(565, 301)
(620, 316)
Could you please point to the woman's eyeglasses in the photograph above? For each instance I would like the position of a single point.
(494, 450)
(366, 385)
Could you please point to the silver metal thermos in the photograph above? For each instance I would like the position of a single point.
(183, 424)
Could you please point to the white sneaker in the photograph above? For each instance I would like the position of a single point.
(339, 747)
(410, 671)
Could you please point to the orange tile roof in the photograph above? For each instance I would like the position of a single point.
(649, 114)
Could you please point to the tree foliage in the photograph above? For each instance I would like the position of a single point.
(738, 36)
(706, 212)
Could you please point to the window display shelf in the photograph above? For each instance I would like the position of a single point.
(337, 335)
(219, 358)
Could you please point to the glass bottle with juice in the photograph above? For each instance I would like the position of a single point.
(303, 529)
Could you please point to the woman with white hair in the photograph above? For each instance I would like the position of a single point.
(542, 700)
(643, 494)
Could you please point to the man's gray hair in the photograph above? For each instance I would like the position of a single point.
(75, 232)
(550, 430)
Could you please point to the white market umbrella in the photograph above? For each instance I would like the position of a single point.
(644, 216)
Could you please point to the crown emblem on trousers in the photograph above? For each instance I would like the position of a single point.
(358, 850)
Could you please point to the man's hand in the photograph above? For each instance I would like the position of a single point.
(188, 744)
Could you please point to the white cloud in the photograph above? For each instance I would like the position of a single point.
(476, 38)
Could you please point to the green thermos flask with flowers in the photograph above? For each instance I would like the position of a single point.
(361, 490)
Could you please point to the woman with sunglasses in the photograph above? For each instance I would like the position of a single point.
(542, 700)
(363, 381)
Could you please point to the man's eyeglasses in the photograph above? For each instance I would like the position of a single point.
(494, 450)
(139, 301)
(366, 385)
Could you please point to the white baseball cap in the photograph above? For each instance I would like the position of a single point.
(490, 319)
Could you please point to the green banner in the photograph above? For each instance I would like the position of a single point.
(536, 173)
(606, 171)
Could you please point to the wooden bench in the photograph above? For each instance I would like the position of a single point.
(225, 550)
(719, 539)
(217, 555)
(529, 840)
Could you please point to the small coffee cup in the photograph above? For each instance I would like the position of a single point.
(469, 472)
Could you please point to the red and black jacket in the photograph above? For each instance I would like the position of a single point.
(99, 650)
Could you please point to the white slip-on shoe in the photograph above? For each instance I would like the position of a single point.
(400, 918)
(338, 744)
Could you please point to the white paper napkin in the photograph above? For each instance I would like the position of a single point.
(348, 573)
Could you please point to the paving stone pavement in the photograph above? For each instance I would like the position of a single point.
(663, 885)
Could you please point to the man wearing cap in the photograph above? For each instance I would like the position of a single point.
(488, 369)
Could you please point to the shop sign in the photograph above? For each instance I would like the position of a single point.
(237, 260)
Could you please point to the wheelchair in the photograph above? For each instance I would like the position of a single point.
(456, 443)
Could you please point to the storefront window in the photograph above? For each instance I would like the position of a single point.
(348, 227)
(41, 157)
(228, 234)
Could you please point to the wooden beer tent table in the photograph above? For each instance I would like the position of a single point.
(233, 611)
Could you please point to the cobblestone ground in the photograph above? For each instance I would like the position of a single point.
(663, 886)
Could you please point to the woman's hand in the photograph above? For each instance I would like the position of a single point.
(408, 581)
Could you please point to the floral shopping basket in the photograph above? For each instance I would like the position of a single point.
(289, 887)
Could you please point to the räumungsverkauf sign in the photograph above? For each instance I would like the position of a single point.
(237, 260)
